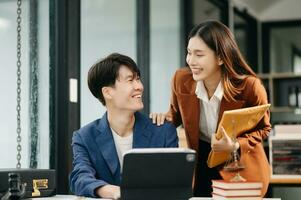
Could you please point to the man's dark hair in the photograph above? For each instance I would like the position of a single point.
(105, 72)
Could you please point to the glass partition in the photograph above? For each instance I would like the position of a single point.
(203, 10)
(245, 32)
(282, 46)
(104, 30)
(165, 51)
(208, 9)
(285, 48)
(34, 84)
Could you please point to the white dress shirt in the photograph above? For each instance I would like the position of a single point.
(209, 110)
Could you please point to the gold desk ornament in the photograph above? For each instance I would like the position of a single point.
(38, 184)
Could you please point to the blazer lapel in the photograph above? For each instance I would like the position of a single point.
(107, 147)
(141, 138)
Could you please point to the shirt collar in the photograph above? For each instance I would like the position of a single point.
(202, 94)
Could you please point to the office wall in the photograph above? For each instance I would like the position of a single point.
(8, 84)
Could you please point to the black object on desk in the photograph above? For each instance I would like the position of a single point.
(161, 174)
(36, 182)
(16, 189)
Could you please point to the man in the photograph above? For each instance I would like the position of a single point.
(98, 147)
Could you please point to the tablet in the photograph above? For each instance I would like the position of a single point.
(158, 173)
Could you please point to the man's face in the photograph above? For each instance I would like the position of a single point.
(127, 92)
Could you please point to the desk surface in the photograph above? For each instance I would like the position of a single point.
(72, 197)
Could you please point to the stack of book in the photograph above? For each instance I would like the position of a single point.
(226, 190)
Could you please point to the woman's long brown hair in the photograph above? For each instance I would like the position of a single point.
(220, 39)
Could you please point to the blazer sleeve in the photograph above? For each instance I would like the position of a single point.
(171, 138)
(174, 111)
(256, 95)
(82, 178)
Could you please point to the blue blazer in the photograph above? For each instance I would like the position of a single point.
(95, 159)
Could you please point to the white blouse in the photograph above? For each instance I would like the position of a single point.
(209, 110)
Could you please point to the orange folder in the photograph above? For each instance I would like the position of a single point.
(236, 122)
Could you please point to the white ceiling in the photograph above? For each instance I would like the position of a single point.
(269, 10)
(259, 6)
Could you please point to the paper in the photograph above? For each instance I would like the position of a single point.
(236, 122)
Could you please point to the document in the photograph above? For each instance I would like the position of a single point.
(235, 123)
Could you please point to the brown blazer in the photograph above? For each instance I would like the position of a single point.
(185, 109)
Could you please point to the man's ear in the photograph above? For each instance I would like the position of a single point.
(106, 92)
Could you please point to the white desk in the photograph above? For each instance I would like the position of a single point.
(72, 197)
(66, 197)
(206, 198)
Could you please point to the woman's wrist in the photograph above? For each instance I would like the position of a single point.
(236, 146)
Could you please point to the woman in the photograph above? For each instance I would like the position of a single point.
(217, 79)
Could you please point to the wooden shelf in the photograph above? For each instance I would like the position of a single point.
(280, 75)
(286, 109)
(277, 86)
(280, 180)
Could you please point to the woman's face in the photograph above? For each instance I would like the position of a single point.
(202, 60)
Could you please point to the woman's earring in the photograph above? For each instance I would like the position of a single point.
(220, 61)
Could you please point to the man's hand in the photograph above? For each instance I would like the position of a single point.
(109, 191)
(225, 144)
